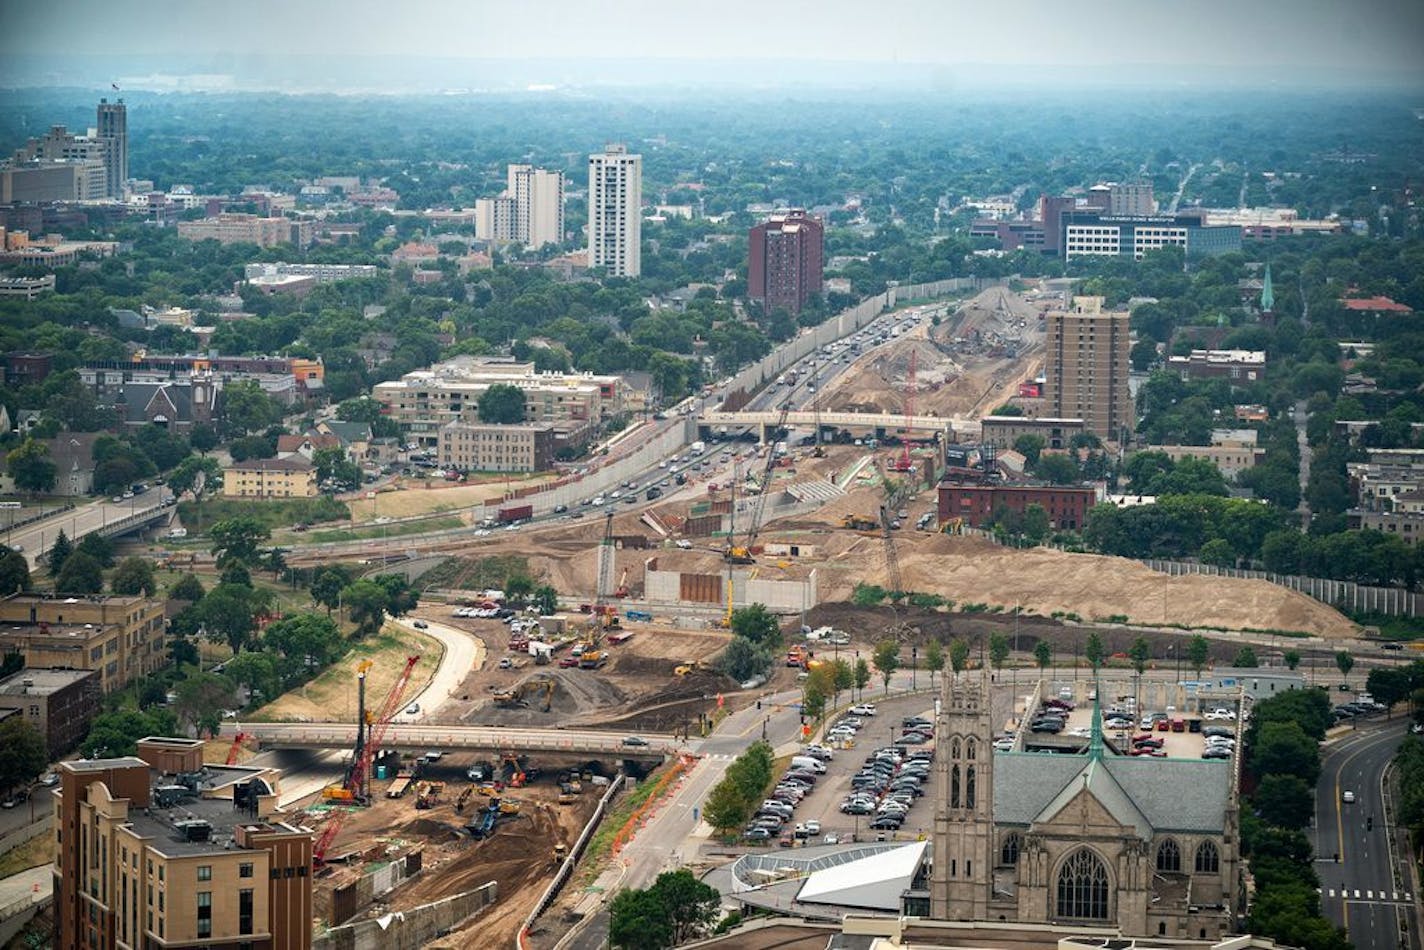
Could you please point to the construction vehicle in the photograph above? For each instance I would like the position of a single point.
(370, 731)
(561, 853)
(566, 797)
(464, 799)
(514, 768)
(237, 741)
(726, 622)
(742, 554)
(593, 659)
(483, 824)
(953, 526)
(797, 656)
(685, 669)
(540, 689)
(859, 523)
(429, 794)
(892, 561)
(621, 590)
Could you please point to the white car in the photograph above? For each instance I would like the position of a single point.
(1003, 745)
(1347, 797)
(813, 827)
(1225, 714)
(684, 544)
(864, 709)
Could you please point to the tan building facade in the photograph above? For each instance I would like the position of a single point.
(120, 636)
(1004, 431)
(479, 447)
(158, 850)
(270, 478)
(237, 228)
(1087, 367)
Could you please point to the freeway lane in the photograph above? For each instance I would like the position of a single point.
(1363, 892)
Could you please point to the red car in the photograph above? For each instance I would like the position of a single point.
(1164, 725)
(1148, 750)
(568, 661)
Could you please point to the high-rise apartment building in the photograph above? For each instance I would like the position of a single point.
(113, 131)
(784, 265)
(1087, 367)
(538, 195)
(615, 217)
(495, 219)
(161, 850)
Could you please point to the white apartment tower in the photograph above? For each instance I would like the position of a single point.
(615, 200)
(538, 195)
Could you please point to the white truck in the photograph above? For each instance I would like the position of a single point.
(698, 448)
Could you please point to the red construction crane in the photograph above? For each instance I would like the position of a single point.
(359, 775)
(237, 741)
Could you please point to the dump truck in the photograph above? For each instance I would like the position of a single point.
(860, 523)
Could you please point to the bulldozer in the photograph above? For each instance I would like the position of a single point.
(684, 669)
(860, 523)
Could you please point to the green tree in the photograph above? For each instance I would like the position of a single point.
(201, 697)
(14, 572)
(887, 660)
(1094, 651)
(1036, 524)
(81, 575)
(1217, 552)
(867, 595)
(819, 686)
(1198, 652)
(229, 613)
(725, 808)
(23, 755)
(366, 603)
(1246, 658)
(546, 600)
(115, 734)
(862, 676)
(1292, 658)
(307, 638)
(934, 659)
(201, 475)
(247, 408)
(203, 438)
(742, 659)
(1284, 800)
(998, 650)
(1388, 685)
(502, 405)
(1042, 655)
(638, 920)
(1030, 446)
(1345, 663)
(517, 589)
(332, 464)
(328, 583)
(31, 467)
(1058, 470)
(958, 655)
(99, 548)
(255, 671)
(1283, 748)
(757, 624)
(59, 553)
(691, 905)
(236, 540)
(134, 576)
(842, 676)
(1140, 653)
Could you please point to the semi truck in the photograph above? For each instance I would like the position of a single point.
(515, 513)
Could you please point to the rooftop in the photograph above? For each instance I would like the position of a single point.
(273, 465)
(41, 682)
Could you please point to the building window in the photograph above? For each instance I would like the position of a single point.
(954, 786)
(205, 872)
(205, 913)
(1169, 857)
(244, 870)
(244, 911)
(1009, 853)
(1208, 860)
(1083, 887)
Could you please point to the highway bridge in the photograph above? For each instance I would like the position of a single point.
(879, 422)
(103, 517)
(410, 737)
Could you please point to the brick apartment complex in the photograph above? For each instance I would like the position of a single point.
(60, 704)
(1087, 367)
(160, 850)
(235, 228)
(481, 447)
(976, 502)
(785, 257)
(120, 636)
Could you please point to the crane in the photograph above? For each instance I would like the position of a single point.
(892, 561)
(904, 463)
(743, 554)
(358, 777)
(237, 741)
(604, 616)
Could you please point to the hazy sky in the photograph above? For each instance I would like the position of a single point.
(1365, 36)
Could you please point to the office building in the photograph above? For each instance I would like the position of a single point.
(423, 401)
(42, 182)
(615, 217)
(236, 228)
(60, 704)
(484, 447)
(1239, 366)
(495, 220)
(27, 287)
(784, 265)
(1233, 451)
(270, 478)
(323, 273)
(120, 636)
(1093, 233)
(1087, 367)
(113, 131)
(1131, 199)
(160, 850)
(538, 195)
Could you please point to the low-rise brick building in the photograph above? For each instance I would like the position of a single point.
(60, 704)
(975, 503)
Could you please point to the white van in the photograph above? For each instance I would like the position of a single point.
(809, 763)
(178, 533)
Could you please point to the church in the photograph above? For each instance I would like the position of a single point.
(1147, 845)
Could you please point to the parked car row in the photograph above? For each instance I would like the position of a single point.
(780, 806)
(887, 785)
(1357, 708)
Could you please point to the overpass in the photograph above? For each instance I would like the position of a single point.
(104, 517)
(881, 423)
(411, 737)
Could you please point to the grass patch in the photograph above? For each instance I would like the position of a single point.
(474, 573)
(274, 513)
(1389, 626)
(387, 531)
(615, 818)
(31, 854)
(332, 695)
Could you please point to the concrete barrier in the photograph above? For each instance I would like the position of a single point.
(410, 929)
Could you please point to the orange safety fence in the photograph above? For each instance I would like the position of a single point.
(635, 820)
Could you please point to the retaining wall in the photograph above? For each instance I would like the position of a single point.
(411, 929)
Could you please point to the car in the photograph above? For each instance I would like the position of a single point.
(909, 722)
(914, 738)
(433, 756)
(1149, 750)
(420, 624)
(1391, 646)
(49, 779)
(756, 833)
(1047, 726)
(413, 709)
(635, 741)
(684, 544)
(1215, 752)
(864, 709)
(886, 823)
(505, 663)
(1218, 731)
(1219, 714)
(1147, 742)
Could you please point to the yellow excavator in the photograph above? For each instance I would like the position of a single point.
(538, 691)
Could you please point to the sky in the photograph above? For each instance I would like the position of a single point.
(592, 40)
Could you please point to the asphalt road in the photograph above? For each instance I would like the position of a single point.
(1364, 890)
(38, 537)
(463, 652)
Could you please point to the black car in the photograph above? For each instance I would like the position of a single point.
(560, 509)
(1047, 725)
(887, 823)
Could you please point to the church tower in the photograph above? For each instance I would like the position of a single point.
(964, 801)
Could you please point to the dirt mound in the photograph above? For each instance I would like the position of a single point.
(1042, 580)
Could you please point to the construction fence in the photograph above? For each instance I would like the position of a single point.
(1344, 595)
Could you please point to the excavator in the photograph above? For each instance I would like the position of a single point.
(532, 691)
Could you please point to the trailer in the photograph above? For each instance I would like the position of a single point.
(402, 782)
(515, 513)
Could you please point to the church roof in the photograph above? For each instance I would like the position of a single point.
(1186, 795)
(1096, 778)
